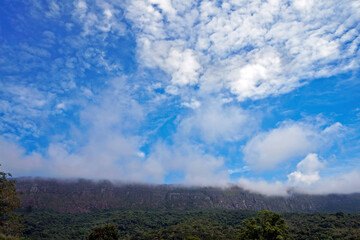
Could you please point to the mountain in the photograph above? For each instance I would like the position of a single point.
(80, 196)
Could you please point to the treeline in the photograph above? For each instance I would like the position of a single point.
(323, 226)
(178, 224)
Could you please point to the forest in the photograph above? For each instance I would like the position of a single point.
(179, 224)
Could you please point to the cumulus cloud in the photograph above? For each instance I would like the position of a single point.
(290, 140)
(307, 170)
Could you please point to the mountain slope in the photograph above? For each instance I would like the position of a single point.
(84, 196)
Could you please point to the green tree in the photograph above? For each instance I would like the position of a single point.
(105, 232)
(192, 238)
(10, 223)
(266, 226)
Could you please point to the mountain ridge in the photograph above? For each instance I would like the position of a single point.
(79, 196)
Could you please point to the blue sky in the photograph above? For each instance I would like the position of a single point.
(264, 94)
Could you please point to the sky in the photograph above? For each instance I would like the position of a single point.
(262, 94)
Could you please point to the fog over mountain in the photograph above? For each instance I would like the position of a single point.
(77, 196)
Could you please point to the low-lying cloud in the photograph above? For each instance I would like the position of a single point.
(342, 183)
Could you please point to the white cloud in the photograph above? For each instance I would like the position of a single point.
(15, 160)
(310, 163)
(289, 140)
(23, 106)
(256, 78)
(239, 170)
(110, 148)
(303, 5)
(99, 17)
(215, 122)
(193, 103)
(253, 49)
(165, 5)
(261, 186)
(307, 180)
(343, 183)
(178, 62)
(107, 149)
(111, 157)
(184, 67)
(198, 167)
(307, 170)
(206, 170)
(54, 10)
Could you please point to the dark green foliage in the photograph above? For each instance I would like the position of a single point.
(8, 196)
(45, 224)
(10, 223)
(179, 224)
(190, 230)
(5, 237)
(192, 238)
(266, 226)
(323, 226)
(105, 232)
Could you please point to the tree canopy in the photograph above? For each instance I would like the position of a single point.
(8, 196)
(105, 232)
(9, 223)
(266, 226)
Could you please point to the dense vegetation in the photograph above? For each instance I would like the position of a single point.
(10, 222)
(324, 226)
(179, 224)
(105, 232)
(266, 226)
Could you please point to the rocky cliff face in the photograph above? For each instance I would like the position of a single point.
(84, 196)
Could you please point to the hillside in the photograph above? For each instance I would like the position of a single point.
(83, 196)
